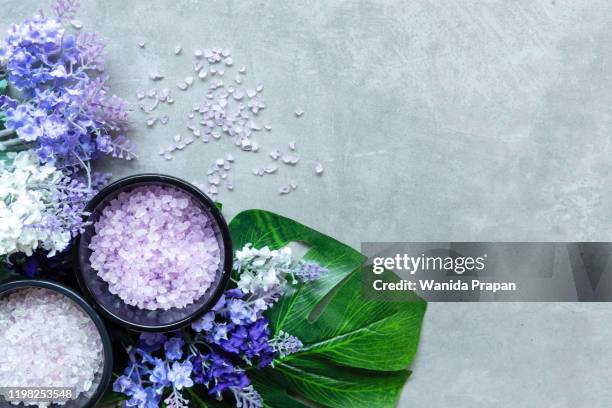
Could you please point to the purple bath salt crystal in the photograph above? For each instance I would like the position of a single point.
(47, 340)
(156, 248)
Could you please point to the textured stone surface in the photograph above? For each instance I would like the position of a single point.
(438, 120)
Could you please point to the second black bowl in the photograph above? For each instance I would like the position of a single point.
(132, 317)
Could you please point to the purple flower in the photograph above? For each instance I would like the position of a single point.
(67, 109)
(152, 341)
(218, 373)
(143, 398)
(124, 385)
(219, 332)
(180, 375)
(205, 323)
(159, 374)
(308, 271)
(174, 348)
(285, 344)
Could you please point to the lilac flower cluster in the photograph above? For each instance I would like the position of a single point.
(66, 110)
(215, 353)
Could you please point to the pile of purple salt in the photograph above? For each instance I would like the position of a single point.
(47, 340)
(156, 248)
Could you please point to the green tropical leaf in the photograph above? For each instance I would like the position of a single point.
(355, 351)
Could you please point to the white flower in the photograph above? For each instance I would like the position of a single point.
(22, 206)
(262, 269)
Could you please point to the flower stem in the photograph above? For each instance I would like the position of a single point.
(5, 133)
(15, 145)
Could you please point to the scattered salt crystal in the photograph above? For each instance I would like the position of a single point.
(284, 190)
(189, 80)
(198, 53)
(299, 113)
(242, 69)
(292, 145)
(178, 49)
(156, 76)
(163, 119)
(268, 127)
(275, 154)
(76, 24)
(141, 44)
(168, 156)
(319, 169)
(270, 169)
(259, 88)
(251, 93)
(139, 277)
(293, 185)
(151, 121)
(219, 162)
(47, 339)
(229, 157)
(181, 85)
(202, 74)
(290, 159)
(140, 95)
(238, 80)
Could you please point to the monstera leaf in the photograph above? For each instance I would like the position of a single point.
(356, 352)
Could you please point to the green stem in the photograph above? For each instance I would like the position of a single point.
(15, 144)
(5, 133)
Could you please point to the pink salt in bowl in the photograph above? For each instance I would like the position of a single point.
(102, 376)
(116, 292)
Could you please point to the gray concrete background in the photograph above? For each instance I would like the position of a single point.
(444, 120)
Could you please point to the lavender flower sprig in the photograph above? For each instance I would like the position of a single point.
(66, 110)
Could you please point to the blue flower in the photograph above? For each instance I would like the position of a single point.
(143, 398)
(151, 341)
(159, 374)
(219, 332)
(174, 348)
(180, 375)
(218, 373)
(205, 323)
(124, 385)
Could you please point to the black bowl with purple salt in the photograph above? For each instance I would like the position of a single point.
(50, 327)
(155, 255)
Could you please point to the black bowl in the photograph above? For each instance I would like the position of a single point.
(102, 378)
(132, 317)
